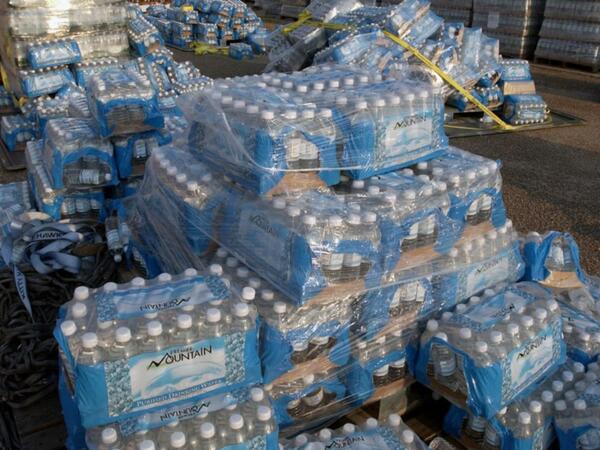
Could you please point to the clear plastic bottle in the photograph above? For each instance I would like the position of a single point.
(163, 436)
(444, 361)
(492, 439)
(537, 415)
(381, 376)
(105, 332)
(110, 439)
(123, 346)
(527, 328)
(264, 422)
(90, 353)
(207, 439)
(155, 341)
(215, 325)
(184, 333)
(409, 440)
(235, 433)
(498, 348)
(513, 333)
(178, 441)
(523, 429)
(475, 427)
(146, 444)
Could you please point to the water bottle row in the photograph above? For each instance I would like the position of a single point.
(365, 434)
(579, 10)
(525, 109)
(584, 53)
(60, 21)
(15, 130)
(231, 425)
(570, 30)
(520, 25)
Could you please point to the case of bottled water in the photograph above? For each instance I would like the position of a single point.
(494, 349)
(389, 434)
(51, 53)
(131, 152)
(60, 203)
(526, 423)
(241, 419)
(143, 36)
(15, 130)
(123, 102)
(241, 50)
(553, 259)
(140, 347)
(15, 199)
(75, 156)
(38, 82)
(85, 70)
(525, 109)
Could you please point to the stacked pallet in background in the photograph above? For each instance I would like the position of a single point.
(571, 33)
(454, 11)
(515, 23)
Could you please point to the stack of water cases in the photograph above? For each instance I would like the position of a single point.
(514, 23)
(451, 11)
(293, 8)
(15, 199)
(211, 22)
(571, 33)
(341, 215)
(162, 363)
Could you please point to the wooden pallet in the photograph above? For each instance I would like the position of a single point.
(566, 65)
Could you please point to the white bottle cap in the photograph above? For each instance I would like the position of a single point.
(570, 395)
(370, 217)
(184, 321)
(279, 203)
(585, 336)
(164, 277)
(560, 405)
(248, 293)
(252, 109)
(110, 287)
(207, 430)
(354, 219)
(540, 314)
(257, 394)
(512, 329)
(372, 190)
(215, 270)
(221, 253)
(267, 115)
(236, 422)
(81, 294)
(326, 113)
(267, 295)
(290, 114)
(465, 333)
(432, 325)
(474, 300)
(294, 211)
(308, 114)
(557, 386)
(535, 406)
(453, 253)
(578, 368)
(348, 428)
(579, 405)
(552, 305)
(442, 336)
(68, 328)
(109, 436)
(496, 337)
(547, 396)
(177, 439)
(89, 340)
(241, 310)
(264, 413)
(371, 423)
(123, 335)
(190, 272)
(394, 420)
(567, 376)
(231, 262)
(309, 220)
(481, 346)
(300, 440)
(335, 221)
(460, 308)
(279, 307)
(524, 418)
(78, 310)
(527, 321)
(154, 328)
(409, 194)
(138, 282)
(242, 272)
(213, 315)
(325, 434)
(408, 436)
(146, 445)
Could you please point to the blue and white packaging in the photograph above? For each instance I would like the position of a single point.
(59, 52)
(15, 130)
(35, 83)
(137, 348)
(240, 50)
(202, 422)
(525, 109)
(85, 70)
(123, 102)
(131, 152)
(494, 349)
(143, 36)
(76, 156)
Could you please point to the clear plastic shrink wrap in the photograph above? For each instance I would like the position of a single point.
(342, 278)
(137, 348)
(279, 133)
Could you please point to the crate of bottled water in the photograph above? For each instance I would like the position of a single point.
(139, 347)
(525, 109)
(16, 130)
(83, 71)
(132, 151)
(515, 77)
(481, 263)
(241, 419)
(38, 82)
(389, 434)
(75, 156)
(143, 36)
(123, 102)
(50, 53)
(553, 259)
(60, 203)
(15, 199)
(526, 423)
(494, 348)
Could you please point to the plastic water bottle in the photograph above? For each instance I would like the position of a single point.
(498, 348)
(242, 319)
(491, 436)
(90, 354)
(381, 376)
(523, 430)
(348, 429)
(408, 440)
(164, 433)
(146, 444)
(513, 334)
(397, 369)
(264, 423)
(184, 333)
(123, 346)
(235, 433)
(527, 329)
(537, 416)
(110, 439)
(155, 340)
(178, 441)
(105, 332)
(208, 437)
(215, 325)
(444, 362)
(475, 427)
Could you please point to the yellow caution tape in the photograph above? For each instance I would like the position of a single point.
(304, 19)
(187, 8)
(202, 48)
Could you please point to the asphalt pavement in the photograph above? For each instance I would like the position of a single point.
(551, 176)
